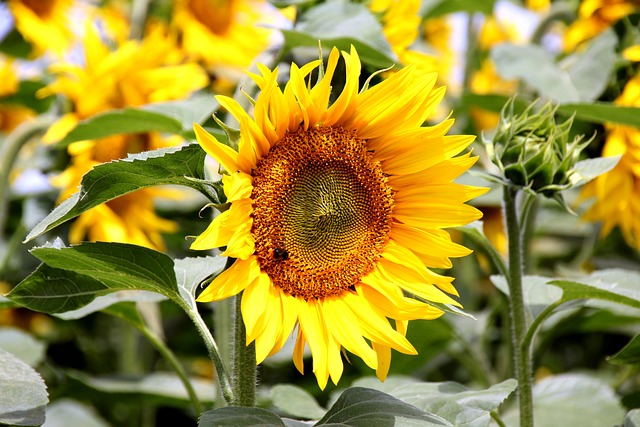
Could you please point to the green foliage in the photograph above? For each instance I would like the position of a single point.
(177, 166)
(24, 393)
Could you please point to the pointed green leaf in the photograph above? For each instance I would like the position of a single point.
(586, 170)
(110, 180)
(296, 401)
(72, 277)
(360, 407)
(238, 416)
(103, 302)
(24, 394)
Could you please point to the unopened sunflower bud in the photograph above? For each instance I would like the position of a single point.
(532, 151)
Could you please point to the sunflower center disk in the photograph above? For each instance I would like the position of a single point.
(322, 212)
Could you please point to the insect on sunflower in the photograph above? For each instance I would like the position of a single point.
(336, 212)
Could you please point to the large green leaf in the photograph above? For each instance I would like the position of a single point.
(71, 277)
(191, 273)
(296, 401)
(343, 24)
(455, 403)
(71, 413)
(162, 388)
(632, 419)
(110, 180)
(363, 407)
(572, 400)
(24, 394)
(573, 80)
(22, 345)
(239, 416)
(175, 117)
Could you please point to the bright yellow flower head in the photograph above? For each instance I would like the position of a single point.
(337, 211)
(134, 74)
(44, 23)
(225, 33)
(595, 16)
(617, 192)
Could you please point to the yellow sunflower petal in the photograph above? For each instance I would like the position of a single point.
(254, 296)
(223, 154)
(231, 281)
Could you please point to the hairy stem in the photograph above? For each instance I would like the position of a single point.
(244, 370)
(522, 357)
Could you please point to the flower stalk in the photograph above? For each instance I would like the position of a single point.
(522, 355)
(243, 365)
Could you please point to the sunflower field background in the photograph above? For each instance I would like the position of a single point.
(299, 212)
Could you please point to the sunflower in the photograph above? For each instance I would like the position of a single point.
(11, 114)
(45, 24)
(337, 211)
(400, 25)
(617, 192)
(134, 74)
(225, 35)
(595, 16)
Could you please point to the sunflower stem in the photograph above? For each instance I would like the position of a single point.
(244, 369)
(522, 356)
(224, 378)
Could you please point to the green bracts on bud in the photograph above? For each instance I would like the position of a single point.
(532, 151)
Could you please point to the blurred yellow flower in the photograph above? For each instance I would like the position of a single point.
(336, 210)
(134, 74)
(44, 23)
(225, 35)
(595, 16)
(538, 5)
(401, 28)
(617, 192)
(11, 114)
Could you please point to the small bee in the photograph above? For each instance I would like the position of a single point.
(280, 254)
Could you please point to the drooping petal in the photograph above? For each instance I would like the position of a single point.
(231, 281)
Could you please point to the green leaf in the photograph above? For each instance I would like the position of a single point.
(72, 277)
(591, 81)
(109, 180)
(103, 302)
(603, 291)
(629, 355)
(360, 407)
(238, 416)
(175, 117)
(572, 400)
(574, 80)
(603, 112)
(115, 122)
(161, 388)
(445, 7)
(69, 412)
(13, 44)
(22, 345)
(191, 272)
(296, 401)
(24, 394)
(455, 403)
(632, 419)
(537, 294)
(342, 24)
(588, 169)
